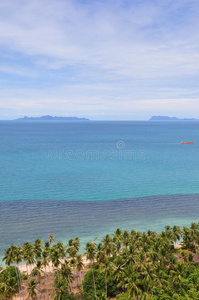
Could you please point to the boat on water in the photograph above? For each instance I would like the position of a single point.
(186, 143)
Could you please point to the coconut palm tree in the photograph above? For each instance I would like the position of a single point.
(107, 269)
(45, 263)
(59, 247)
(18, 255)
(80, 266)
(37, 271)
(11, 255)
(194, 234)
(130, 256)
(107, 245)
(118, 268)
(55, 258)
(8, 287)
(32, 289)
(91, 255)
(37, 248)
(126, 238)
(132, 286)
(76, 243)
(186, 239)
(28, 255)
(61, 286)
(176, 230)
(73, 263)
(66, 273)
(51, 238)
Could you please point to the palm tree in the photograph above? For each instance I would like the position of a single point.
(186, 239)
(76, 243)
(37, 248)
(148, 275)
(80, 266)
(118, 234)
(194, 234)
(61, 286)
(126, 238)
(32, 289)
(118, 268)
(51, 238)
(55, 258)
(8, 287)
(45, 263)
(47, 246)
(3, 290)
(176, 230)
(9, 255)
(132, 286)
(12, 254)
(107, 245)
(107, 270)
(130, 256)
(28, 255)
(66, 273)
(90, 255)
(117, 240)
(73, 263)
(59, 247)
(18, 255)
(37, 271)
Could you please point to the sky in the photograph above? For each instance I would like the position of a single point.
(100, 59)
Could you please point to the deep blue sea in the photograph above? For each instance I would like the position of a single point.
(88, 178)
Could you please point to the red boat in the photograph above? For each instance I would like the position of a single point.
(186, 143)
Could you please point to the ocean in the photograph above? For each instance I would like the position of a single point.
(87, 178)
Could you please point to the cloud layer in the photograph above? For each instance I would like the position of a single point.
(99, 59)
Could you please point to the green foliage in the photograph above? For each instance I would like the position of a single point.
(80, 296)
(24, 277)
(9, 272)
(123, 296)
(8, 283)
(99, 282)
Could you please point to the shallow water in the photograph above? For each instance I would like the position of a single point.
(22, 221)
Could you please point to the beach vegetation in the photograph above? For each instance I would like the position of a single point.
(124, 265)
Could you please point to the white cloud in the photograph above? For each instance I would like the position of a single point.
(111, 49)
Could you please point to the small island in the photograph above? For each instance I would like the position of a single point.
(51, 118)
(166, 118)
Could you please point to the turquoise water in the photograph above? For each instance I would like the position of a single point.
(88, 178)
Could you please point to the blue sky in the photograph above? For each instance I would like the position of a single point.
(105, 59)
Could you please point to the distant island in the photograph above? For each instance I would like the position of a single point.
(166, 118)
(51, 118)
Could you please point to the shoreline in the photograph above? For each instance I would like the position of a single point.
(49, 269)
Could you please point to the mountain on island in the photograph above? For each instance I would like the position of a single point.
(166, 118)
(50, 118)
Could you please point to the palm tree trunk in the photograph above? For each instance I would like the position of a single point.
(195, 246)
(76, 281)
(106, 286)
(18, 280)
(81, 281)
(38, 287)
(27, 269)
(46, 283)
(94, 283)
(70, 287)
